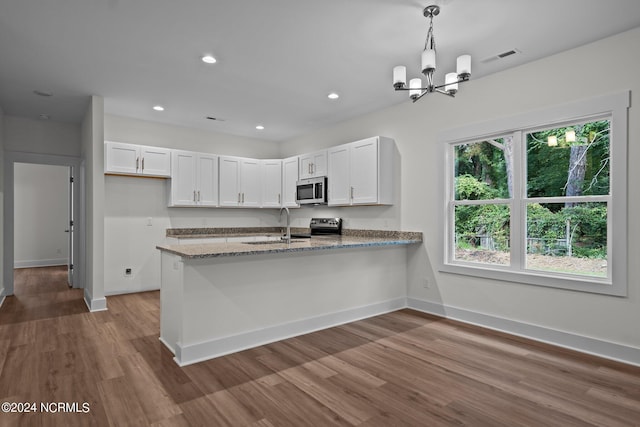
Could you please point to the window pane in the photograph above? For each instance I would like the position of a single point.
(567, 238)
(483, 170)
(569, 161)
(482, 234)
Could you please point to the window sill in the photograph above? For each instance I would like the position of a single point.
(595, 285)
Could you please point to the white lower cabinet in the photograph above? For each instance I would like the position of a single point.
(194, 179)
(361, 172)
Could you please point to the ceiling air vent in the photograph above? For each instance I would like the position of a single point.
(501, 55)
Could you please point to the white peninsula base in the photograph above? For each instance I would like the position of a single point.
(219, 305)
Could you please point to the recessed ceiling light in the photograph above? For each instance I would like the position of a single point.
(333, 95)
(209, 59)
(260, 127)
(42, 93)
(158, 107)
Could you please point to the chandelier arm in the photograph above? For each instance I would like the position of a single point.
(444, 92)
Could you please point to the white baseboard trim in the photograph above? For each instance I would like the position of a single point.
(596, 347)
(130, 291)
(194, 353)
(40, 263)
(95, 304)
(2, 297)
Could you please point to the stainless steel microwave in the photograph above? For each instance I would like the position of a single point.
(312, 191)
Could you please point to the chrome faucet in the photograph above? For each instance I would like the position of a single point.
(286, 237)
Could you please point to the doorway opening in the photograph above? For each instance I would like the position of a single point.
(43, 216)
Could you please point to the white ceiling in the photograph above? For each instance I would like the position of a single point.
(277, 59)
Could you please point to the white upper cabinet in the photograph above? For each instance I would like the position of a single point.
(361, 172)
(338, 180)
(313, 164)
(194, 179)
(240, 182)
(289, 181)
(271, 183)
(131, 159)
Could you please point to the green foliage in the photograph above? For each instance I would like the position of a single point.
(486, 163)
(547, 167)
(546, 224)
(469, 188)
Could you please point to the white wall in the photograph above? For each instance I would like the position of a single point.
(41, 208)
(130, 202)
(41, 136)
(92, 154)
(562, 78)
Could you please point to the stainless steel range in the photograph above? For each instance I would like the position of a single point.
(320, 226)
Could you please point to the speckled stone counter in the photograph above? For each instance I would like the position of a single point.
(349, 239)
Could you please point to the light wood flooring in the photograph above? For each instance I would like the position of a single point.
(398, 369)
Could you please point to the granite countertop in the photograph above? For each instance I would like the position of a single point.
(349, 239)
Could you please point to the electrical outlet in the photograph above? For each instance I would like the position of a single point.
(128, 271)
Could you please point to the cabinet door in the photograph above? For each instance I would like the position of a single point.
(183, 179)
(155, 161)
(250, 183)
(306, 160)
(272, 183)
(319, 167)
(121, 158)
(207, 180)
(289, 180)
(313, 164)
(229, 183)
(338, 175)
(364, 171)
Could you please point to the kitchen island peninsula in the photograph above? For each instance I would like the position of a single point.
(221, 292)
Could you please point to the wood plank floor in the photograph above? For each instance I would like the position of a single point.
(399, 369)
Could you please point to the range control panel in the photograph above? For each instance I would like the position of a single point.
(326, 226)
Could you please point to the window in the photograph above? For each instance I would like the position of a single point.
(540, 198)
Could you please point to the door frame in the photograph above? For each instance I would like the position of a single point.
(12, 157)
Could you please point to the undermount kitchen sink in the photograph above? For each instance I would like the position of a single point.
(275, 242)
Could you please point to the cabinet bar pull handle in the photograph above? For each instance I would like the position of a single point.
(143, 164)
(194, 195)
(198, 195)
(279, 199)
(137, 163)
(351, 193)
(238, 197)
(242, 197)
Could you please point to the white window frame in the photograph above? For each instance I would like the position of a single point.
(612, 106)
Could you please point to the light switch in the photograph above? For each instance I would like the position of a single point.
(149, 222)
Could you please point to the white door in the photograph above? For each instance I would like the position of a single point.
(155, 161)
(272, 183)
(121, 158)
(289, 180)
(229, 181)
(251, 183)
(338, 175)
(364, 171)
(207, 187)
(183, 179)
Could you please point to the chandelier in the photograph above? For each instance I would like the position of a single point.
(451, 80)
